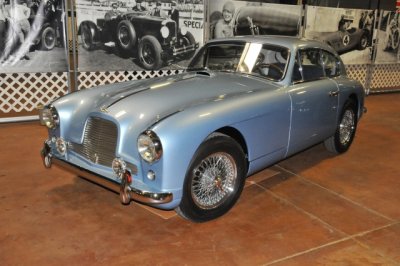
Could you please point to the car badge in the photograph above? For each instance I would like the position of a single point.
(104, 109)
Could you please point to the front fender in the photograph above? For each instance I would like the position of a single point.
(262, 118)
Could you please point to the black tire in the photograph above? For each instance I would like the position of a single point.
(214, 180)
(126, 36)
(395, 39)
(363, 42)
(87, 37)
(150, 53)
(188, 39)
(48, 39)
(345, 131)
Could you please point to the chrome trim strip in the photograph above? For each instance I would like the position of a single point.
(145, 197)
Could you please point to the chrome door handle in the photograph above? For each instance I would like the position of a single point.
(334, 93)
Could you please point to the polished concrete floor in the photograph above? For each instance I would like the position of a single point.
(312, 209)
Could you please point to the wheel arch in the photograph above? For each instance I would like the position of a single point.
(354, 98)
(237, 136)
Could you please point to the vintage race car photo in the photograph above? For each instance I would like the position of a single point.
(187, 142)
(264, 20)
(157, 41)
(46, 27)
(344, 41)
(261, 20)
(392, 40)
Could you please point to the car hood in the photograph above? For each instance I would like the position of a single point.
(144, 103)
(142, 16)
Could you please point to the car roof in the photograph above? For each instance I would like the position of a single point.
(286, 41)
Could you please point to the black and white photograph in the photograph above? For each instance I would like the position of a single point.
(388, 38)
(348, 31)
(233, 18)
(138, 34)
(32, 36)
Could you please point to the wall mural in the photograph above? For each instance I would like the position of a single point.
(348, 31)
(136, 35)
(389, 38)
(32, 36)
(231, 18)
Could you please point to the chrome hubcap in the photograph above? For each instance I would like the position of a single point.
(124, 36)
(346, 127)
(214, 180)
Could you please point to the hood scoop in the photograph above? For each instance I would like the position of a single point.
(204, 73)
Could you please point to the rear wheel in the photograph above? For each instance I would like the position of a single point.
(363, 42)
(346, 129)
(215, 179)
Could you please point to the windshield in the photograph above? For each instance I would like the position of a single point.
(268, 61)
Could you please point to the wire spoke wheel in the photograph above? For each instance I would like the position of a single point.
(148, 53)
(214, 180)
(345, 130)
(346, 127)
(123, 35)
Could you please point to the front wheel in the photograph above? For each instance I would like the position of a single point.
(214, 180)
(346, 129)
(87, 37)
(150, 53)
(48, 39)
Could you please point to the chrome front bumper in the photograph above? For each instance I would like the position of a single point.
(126, 192)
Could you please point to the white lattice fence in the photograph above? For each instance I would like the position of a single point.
(385, 76)
(91, 79)
(358, 72)
(22, 92)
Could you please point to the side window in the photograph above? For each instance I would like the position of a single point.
(308, 65)
(271, 62)
(331, 64)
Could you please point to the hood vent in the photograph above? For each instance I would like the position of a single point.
(203, 73)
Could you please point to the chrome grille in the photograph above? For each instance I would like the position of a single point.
(171, 25)
(99, 141)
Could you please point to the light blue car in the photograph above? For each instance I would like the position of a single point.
(187, 142)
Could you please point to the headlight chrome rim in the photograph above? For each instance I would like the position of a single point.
(164, 32)
(149, 146)
(49, 117)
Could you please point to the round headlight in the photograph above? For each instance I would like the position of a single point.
(164, 32)
(49, 117)
(149, 146)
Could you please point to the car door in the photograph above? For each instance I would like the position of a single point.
(314, 97)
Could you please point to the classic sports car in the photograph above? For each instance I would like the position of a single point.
(187, 142)
(157, 40)
(344, 41)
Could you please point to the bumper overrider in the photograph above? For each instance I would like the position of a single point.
(177, 51)
(126, 192)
